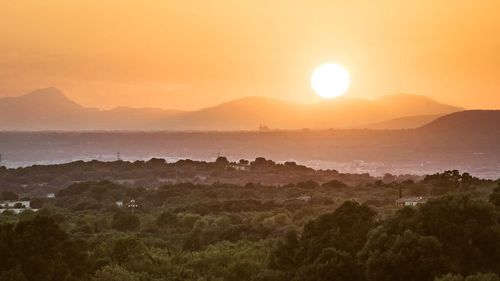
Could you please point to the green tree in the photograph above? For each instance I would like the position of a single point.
(14, 274)
(495, 196)
(166, 219)
(455, 219)
(345, 229)
(435, 232)
(283, 256)
(125, 221)
(402, 257)
(114, 273)
(475, 277)
(331, 264)
(41, 251)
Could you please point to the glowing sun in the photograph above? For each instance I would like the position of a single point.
(330, 80)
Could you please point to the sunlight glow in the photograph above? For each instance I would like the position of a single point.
(330, 80)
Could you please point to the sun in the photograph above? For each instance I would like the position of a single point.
(330, 80)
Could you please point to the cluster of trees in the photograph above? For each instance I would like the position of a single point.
(451, 181)
(445, 239)
(37, 249)
(450, 238)
(38, 179)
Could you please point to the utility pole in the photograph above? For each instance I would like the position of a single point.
(0, 159)
(133, 205)
(118, 156)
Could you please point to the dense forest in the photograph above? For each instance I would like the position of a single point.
(295, 224)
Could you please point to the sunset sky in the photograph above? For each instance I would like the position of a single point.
(190, 54)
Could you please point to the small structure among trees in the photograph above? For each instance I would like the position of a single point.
(410, 201)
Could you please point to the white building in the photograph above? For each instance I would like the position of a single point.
(239, 167)
(15, 206)
(11, 204)
(410, 201)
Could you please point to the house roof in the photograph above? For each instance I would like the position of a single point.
(412, 199)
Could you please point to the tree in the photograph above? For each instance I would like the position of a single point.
(261, 163)
(408, 256)
(345, 229)
(309, 184)
(283, 256)
(128, 250)
(36, 203)
(334, 184)
(125, 221)
(424, 237)
(475, 277)
(14, 274)
(221, 161)
(455, 219)
(331, 264)
(114, 273)
(166, 219)
(343, 232)
(9, 195)
(495, 196)
(449, 277)
(37, 249)
(483, 277)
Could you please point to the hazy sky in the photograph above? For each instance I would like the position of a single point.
(189, 54)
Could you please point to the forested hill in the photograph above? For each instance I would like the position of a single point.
(42, 179)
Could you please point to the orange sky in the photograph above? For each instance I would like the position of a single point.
(189, 54)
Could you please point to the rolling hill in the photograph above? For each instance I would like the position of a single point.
(50, 109)
(409, 122)
(467, 122)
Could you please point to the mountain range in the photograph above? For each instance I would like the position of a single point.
(50, 109)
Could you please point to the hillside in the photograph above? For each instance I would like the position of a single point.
(464, 122)
(50, 109)
(409, 122)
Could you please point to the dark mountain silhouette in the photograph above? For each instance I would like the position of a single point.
(470, 121)
(50, 109)
(41, 109)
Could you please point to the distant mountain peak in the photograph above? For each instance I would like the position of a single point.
(39, 100)
(49, 92)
